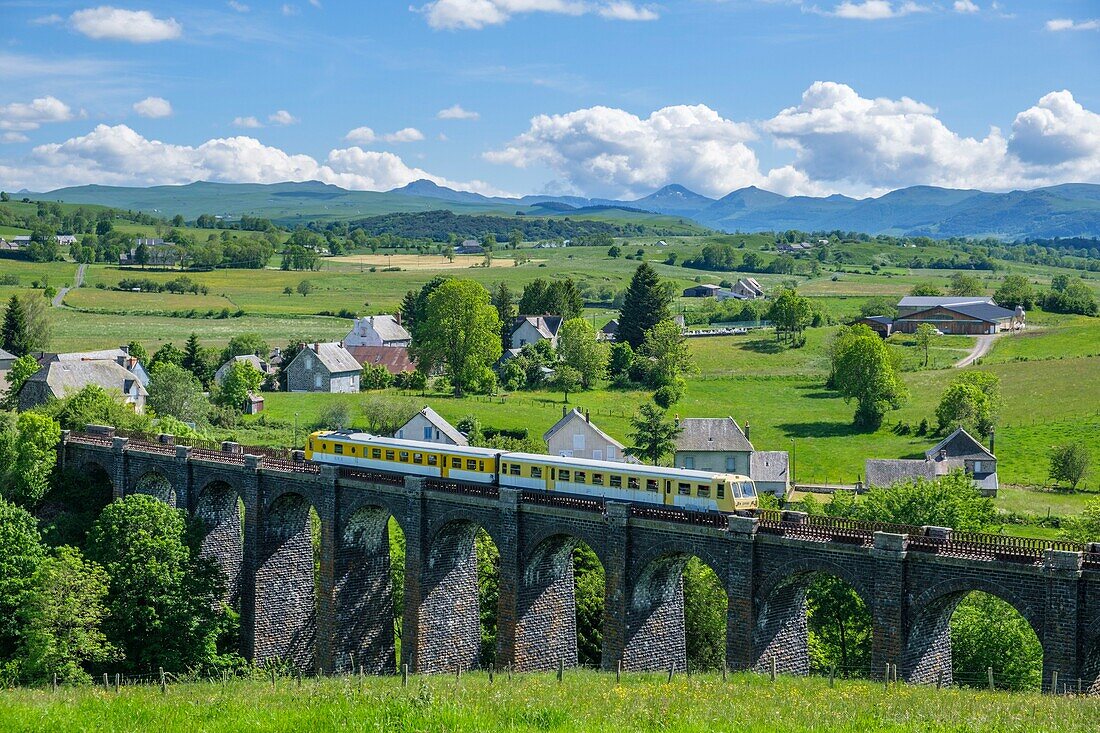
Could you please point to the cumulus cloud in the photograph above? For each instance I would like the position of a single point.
(249, 122)
(51, 19)
(406, 135)
(876, 9)
(365, 136)
(1068, 24)
(116, 24)
(606, 151)
(23, 116)
(456, 112)
(1057, 139)
(475, 14)
(153, 107)
(966, 6)
(14, 137)
(282, 117)
(117, 155)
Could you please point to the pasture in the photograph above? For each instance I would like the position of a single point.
(583, 701)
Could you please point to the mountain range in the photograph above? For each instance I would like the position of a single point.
(1068, 210)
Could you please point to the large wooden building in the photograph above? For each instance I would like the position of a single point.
(959, 316)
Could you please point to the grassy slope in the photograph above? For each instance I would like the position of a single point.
(585, 701)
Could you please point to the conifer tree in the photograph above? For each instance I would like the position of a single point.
(646, 304)
(15, 334)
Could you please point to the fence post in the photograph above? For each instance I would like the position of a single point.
(671, 669)
(1054, 682)
(618, 671)
(832, 675)
(163, 682)
(723, 671)
(886, 677)
(491, 673)
(561, 668)
(118, 683)
(989, 672)
(54, 686)
(106, 683)
(773, 668)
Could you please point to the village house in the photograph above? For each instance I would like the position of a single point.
(747, 288)
(259, 364)
(158, 253)
(704, 290)
(384, 330)
(323, 367)
(395, 359)
(609, 331)
(120, 356)
(959, 450)
(721, 446)
(61, 377)
(574, 436)
(469, 247)
(529, 329)
(428, 426)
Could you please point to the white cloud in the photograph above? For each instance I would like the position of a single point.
(153, 107)
(363, 135)
(239, 7)
(1068, 24)
(606, 151)
(135, 26)
(405, 135)
(315, 3)
(456, 112)
(475, 14)
(876, 9)
(23, 116)
(249, 122)
(51, 19)
(1057, 139)
(120, 156)
(966, 6)
(289, 9)
(14, 137)
(282, 117)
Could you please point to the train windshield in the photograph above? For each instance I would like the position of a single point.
(748, 489)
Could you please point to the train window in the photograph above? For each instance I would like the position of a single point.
(749, 488)
(683, 489)
(418, 457)
(389, 455)
(721, 489)
(514, 469)
(597, 479)
(563, 474)
(615, 481)
(702, 490)
(432, 460)
(471, 464)
(651, 484)
(311, 445)
(536, 471)
(456, 463)
(375, 452)
(481, 465)
(579, 477)
(632, 482)
(404, 456)
(339, 449)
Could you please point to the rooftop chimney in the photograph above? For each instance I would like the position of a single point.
(316, 347)
(587, 416)
(943, 454)
(747, 427)
(992, 434)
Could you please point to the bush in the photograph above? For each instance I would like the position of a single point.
(669, 394)
(375, 376)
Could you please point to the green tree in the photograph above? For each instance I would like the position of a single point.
(864, 371)
(163, 601)
(246, 344)
(460, 333)
(925, 335)
(566, 379)
(838, 626)
(1015, 290)
(305, 287)
(653, 436)
(947, 501)
(614, 252)
(645, 305)
(15, 336)
(176, 392)
(1083, 527)
(791, 314)
(168, 353)
(971, 401)
(1070, 463)
(21, 552)
(93, 405)
(28, 454)
(988, 632)
(705, 607)
(504, 300)
(136, 350)
(240, 381)
(63, 614)
(669, 356)
(579, 349)
(926, 290)
(22, 369)
(36, 311)
(375, 376)
(515, 239)
(964, 285)
(1075, 296)
(620, 362)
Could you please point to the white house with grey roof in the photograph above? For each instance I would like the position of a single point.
(719, 444)
(384, 330)
(959, 450)
(61, 377)
(575, 436)
(323, 367)
(530, 329)
(430, 427)
(259, 364)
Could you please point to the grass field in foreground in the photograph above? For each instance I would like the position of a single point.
(585, 701)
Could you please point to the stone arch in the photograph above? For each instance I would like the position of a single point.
(781, 629)
(90, 467)
(157, 485)
(546, 603)
(656, 630)
(927, 655)
(286, 597)
(364, 592)
(219, 511)
(449, 617)
(1090, 661)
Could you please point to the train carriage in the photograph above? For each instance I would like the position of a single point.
(363, 450)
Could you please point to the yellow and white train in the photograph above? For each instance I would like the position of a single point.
(631, 482)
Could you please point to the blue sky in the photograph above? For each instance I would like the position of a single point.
(598, 97)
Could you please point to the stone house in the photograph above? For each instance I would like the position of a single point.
(60, 377)
(958, 450)
(716, 444)
(384, 330)
(747, 288)
(323, 367)
(574, 436)
(430, 427)
(529, 329)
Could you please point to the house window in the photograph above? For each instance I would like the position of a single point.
(977, 466)
(309, 363)
(428, 432)
(401, 434)
(610, 452)
(689, 461)
(578, 442)
(731, 464)
(579, 477)
(563, 474)
(683, 489)
(597, 455)
(536, 472)
(317, 379)
(615, 482)
(471, 464)
(632, 482)
(650, 484)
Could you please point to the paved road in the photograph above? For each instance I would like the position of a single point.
(57, 299)
(981, 348)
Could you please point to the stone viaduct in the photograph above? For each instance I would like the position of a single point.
(910, 578)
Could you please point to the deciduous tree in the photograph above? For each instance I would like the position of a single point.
(865, 371)
(460, 333)
(579, 349)
(1070, 463)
